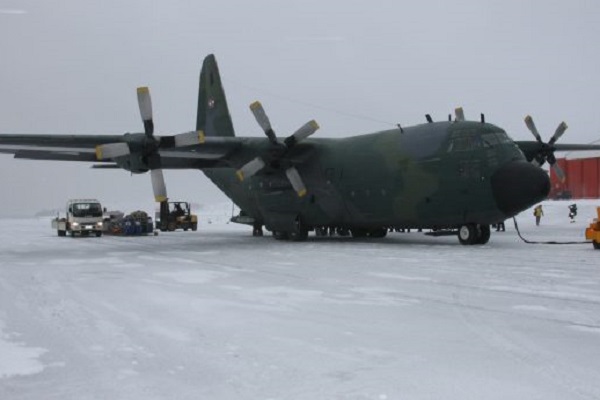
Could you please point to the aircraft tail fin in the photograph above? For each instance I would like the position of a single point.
(213, 114)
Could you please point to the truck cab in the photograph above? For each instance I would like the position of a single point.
(83, 217)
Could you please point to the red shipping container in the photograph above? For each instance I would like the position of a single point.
(575, 178)
(590, 178)
(582, 178)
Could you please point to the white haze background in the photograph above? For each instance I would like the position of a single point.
(72, 67)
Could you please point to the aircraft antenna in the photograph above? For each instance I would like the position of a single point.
(428, 118)
(400, 127)
(482, 118)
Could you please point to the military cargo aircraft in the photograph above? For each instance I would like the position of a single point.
(452, 177)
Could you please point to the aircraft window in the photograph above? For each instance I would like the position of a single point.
(503, 137)
(464, 143)
(489, 139)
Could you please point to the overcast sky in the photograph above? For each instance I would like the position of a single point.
(355, 66)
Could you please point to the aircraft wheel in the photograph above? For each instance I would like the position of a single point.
(342, 232)
(358, 233)
(321, 231)
(299, 236)
(378, 233)
(257, 230)
(483, 234)
(467, 234)
(279, 235)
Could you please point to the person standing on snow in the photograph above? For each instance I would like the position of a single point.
(573, 212)
(538, 212)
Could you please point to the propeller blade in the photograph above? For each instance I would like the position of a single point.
(251, 168)
(189, 138)
(305, 131)
(532, 128)
(158, 185)
(562, 127)
(145, 103)
(112, 150)
(559, 172)
(459, 113)
(262, 119)
(296, 181)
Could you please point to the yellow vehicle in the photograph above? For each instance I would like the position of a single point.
(592, 232)
(176, 215)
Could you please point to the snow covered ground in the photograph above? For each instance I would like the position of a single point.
(217, 314)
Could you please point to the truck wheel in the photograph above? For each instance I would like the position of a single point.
(61, 233)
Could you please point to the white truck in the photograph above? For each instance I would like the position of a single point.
(84, 217)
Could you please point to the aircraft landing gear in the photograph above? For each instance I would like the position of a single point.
(257, 230)
(469, 234)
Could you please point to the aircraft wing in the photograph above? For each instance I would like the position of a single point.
(532, 148)
(205, 153)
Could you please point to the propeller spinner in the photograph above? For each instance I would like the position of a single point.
(278, 150)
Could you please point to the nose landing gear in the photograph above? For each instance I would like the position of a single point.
(469, 234)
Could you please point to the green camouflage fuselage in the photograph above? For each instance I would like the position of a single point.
(433, 175)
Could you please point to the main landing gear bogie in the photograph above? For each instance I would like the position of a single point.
(469, 234)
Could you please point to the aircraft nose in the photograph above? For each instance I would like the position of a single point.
(518, 185)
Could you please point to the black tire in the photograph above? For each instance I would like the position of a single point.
(321, 231)
(279, 235)
(378, 233)
(61, 233)
(342, 232)
(257, 231)
(483, 234)
(358, 232)
(298, 236)
(467, 234)
(171, 226)
(596, 245)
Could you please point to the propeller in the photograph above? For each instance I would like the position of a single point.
(546, 150)
(142, 150)
(154, 162)
(277, 150)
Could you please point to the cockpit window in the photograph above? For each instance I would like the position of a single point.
(473, 139)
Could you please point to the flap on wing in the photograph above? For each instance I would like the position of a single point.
(55, 155)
